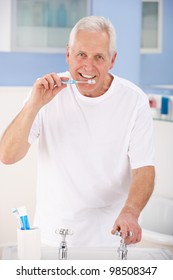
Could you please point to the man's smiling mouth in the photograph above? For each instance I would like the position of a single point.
(87, 76)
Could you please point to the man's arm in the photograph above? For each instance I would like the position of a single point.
(141, 188)
(14, 143)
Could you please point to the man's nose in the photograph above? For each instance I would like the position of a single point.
(89, 63)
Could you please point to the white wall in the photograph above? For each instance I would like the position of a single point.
(18, 181)
(5, 24)
(163, 132)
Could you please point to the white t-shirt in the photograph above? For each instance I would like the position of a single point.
(87, 148)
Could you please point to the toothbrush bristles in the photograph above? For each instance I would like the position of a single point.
(14, 210)
(91, 82)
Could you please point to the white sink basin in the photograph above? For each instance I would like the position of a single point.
(134, 253)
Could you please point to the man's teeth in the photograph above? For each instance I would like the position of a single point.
(87, 76)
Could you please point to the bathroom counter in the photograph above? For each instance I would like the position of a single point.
(134, 253)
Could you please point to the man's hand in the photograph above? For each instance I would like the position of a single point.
(127, 225)
(45, 89)
(140, 190)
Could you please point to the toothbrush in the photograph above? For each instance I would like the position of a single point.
(16, 213)
(72, 82)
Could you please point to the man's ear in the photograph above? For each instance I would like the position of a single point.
(113, 60)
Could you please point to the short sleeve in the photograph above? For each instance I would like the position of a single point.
(35, 130)
(141, 147)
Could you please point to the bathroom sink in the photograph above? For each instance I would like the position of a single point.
(108, 253)
(134, 253)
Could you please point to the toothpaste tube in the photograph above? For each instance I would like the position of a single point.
(23, 218)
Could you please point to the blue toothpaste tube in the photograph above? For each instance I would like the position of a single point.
(23, 218)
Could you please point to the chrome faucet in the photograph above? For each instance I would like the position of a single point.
(122, 249)
(63, 245)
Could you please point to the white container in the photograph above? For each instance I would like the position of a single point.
(28, 244)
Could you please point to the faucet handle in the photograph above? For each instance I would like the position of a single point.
(64, 232)
(118, 233)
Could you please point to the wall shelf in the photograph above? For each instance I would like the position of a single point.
(161, 102)
(44, 26)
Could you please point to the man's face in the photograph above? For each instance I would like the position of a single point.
(89, 58)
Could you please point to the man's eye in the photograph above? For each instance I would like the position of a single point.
(99, 57)
(82, 54)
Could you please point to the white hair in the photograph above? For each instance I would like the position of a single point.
(95, 23)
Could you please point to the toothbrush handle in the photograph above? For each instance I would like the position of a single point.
(68, 82)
